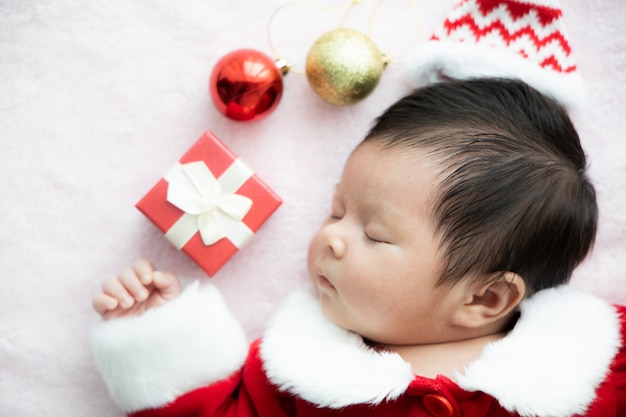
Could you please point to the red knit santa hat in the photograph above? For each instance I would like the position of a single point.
(502, 38)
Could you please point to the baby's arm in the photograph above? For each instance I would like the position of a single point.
(135, 290)
(149, 356)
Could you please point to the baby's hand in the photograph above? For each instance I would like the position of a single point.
(135, 290)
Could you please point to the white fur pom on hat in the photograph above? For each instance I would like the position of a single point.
(502, 38)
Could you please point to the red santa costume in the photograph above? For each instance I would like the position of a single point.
(564, 357)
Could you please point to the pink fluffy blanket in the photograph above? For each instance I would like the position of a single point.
(97, 99)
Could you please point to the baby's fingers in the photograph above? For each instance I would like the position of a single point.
(133, 286)
(114, 288)
(104, 303)
(143, 268)
(167, 284)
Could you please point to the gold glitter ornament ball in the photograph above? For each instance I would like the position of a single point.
(344, 66)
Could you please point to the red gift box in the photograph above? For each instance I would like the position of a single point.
(209, 204)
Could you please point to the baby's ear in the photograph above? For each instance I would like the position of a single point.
(491, 300)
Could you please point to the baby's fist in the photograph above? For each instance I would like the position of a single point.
(135, 290)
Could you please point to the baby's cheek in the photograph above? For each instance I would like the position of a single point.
(312, 252)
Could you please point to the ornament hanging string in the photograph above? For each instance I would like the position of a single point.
(302, 4)
(416, 16)
(343, 66)
(348, 8)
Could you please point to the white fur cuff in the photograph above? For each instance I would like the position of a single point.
(150, 360)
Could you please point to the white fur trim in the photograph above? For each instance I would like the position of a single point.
(309, 356)
(435, 61)
(555, 357)
(150, 360)
(549, 365)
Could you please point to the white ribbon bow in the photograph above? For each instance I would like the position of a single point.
(210, 204)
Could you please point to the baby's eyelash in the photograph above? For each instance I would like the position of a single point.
(373, 240)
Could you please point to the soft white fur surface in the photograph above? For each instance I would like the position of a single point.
(529, 371)
(561, 330)
(150, 360)
(98, 99)
(295, 352)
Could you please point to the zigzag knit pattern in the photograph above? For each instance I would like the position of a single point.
(534, 31)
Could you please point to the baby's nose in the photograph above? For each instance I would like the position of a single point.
(334, 240)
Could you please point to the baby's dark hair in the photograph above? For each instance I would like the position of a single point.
(513, 192)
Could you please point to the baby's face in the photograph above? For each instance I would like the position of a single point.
(376, 260)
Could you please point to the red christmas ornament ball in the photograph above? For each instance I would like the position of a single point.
(246, 85)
